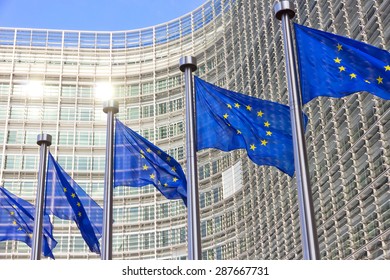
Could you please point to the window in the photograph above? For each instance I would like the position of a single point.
(15, 137)
(30, 162)
(163, 211)
(65, 162)
(162, 132)
(67, 114)
(17, 113)
(4, 89)
(147, 111)
(3, 112)
(99, 138)
(51, 91)
(13, 162)
(28, 187)
(84, 138)
(134, 214)
(133, 113)
(164, 235)
(66, 138)
(83, 163)
(162, 108)
(147, 88)
(68, 91)
(148, 134)
(148, 213)
(161, 85)
(176, 104)
(85, 92)
(134, 241)
(85, 114)
(78, 244)
(33, 113)
(176, 129)
(177, 153)
(134, 90)
(100, 115)
(49, 114)
(98, 163)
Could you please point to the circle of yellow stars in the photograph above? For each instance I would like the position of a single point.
(337, 60)
(78, 203)
(153, 175)
(15, 223)
(259, 114)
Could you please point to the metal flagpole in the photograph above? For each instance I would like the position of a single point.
(284, 11)
(43, 140)
(110, 108)
(188, 65)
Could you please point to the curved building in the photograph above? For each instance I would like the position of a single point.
(48, 80)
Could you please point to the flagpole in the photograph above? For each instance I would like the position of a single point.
(284, 11)
(110, 108)
(188, 65)
(43, 140)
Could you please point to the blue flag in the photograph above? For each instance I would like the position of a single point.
(68, 201)
(17, 222)
(336, 66)
(137, 163)
(228, 120)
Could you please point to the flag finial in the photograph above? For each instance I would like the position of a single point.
(284, 7)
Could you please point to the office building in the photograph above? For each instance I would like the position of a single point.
(48, 83)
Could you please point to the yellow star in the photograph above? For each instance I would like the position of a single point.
(175, 179)
(12, 213)
(145, 167)
(14, 222)
(65, 190)
(152, 176)
(342, 68)
(142, 155)
(73, 195)
(380, 80)
(367, 81)
(387, 68)
(78, 204)
(79, 214)
(339, 47)
(239, 132)
(260, 114)
(173, 169)
(353, 76)
(159, 152)
(337, 60)
(165, 185)
(229, 106)
(253, 147)
(168, 159)
(249, 108)
(236, 105)
(225, 116)
(269, 133)
(30, 235)
(267, 124)
(19, 229)
(264, 142)
(148, 150)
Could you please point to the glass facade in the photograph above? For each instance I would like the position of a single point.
(247, 211)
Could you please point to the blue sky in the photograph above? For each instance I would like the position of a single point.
(96, 15)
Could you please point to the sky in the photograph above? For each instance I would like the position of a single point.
(93, 15)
